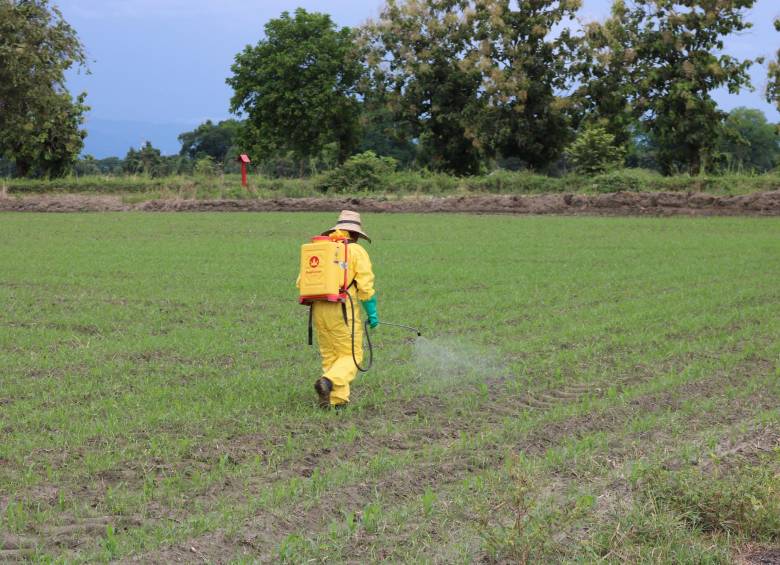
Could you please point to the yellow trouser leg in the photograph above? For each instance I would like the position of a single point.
(335, 341)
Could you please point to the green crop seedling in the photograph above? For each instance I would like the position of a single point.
(585, 389)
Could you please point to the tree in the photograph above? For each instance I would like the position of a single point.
(674, 68)
(605, 60)
(594, 151)
(415, 53)
(526, 63)
(773, 87)
(298, 87)
(39, 119)
(146, 161)
(209, 139)
(749, 142)
(384, 136)
(473, 79)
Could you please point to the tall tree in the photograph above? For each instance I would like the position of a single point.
(415, 53)
(525, 60)
(749, 141)
(39, 119)
(473, 79)
(297, 87)
(214, 140)
(677, 67)
(773, 87)
(604, 65)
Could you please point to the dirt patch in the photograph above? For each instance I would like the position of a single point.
(211, 547)
(612, 204)
(761, 556)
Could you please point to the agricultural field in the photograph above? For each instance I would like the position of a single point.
(585, 389)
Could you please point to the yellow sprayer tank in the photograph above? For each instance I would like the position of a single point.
(323, 270)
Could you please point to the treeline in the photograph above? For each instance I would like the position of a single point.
(453, 86)
(462, 86)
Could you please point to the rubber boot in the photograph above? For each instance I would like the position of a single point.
(323, 387)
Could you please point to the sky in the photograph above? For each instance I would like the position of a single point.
(158, 67)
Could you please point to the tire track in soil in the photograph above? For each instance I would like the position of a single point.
(263, 532)
(642, 448)
(615, 487)
(438, 432)
(68, 536)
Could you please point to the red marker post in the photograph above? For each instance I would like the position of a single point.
(243, 159)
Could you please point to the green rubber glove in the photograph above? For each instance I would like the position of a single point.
(370, 307)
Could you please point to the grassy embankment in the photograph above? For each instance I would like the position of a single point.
(139, 188)
(587, 388)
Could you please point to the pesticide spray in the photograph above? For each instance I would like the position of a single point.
(324, 277)
(448, 361)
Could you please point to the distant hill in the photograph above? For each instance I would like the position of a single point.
(112, 138)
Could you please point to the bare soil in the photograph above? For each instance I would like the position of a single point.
(613, 204)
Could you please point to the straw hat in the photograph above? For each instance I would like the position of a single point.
(349, 221)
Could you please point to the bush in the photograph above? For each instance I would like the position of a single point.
(627, 180)
(521, 182)
(206, 167)
(364, 172)
(594, 152)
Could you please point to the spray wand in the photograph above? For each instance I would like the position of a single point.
(367, 335)
(419, 334)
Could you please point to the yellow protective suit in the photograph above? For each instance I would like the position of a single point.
(334, 337)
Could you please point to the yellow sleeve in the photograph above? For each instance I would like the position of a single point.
(364, 274)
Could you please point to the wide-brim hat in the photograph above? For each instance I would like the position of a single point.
(349, 221)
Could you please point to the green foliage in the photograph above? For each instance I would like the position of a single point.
(167, 335)
(604, 60)
(525, 61)
(147, 161)
(39, 119)
(749, 142)
(297, 88)
(474, 79)
(211, 140)
(372, 516)
(738, 498)
(384, 136)
(429, 498)
(398, 183)
(647, 534)
(773, 84)
(594, 151)
(430, 92)
(361, 173)
(205, 166)
(660, 59)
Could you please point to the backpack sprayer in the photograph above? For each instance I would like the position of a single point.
(324, 278)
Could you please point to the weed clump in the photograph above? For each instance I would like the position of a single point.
(742, 500)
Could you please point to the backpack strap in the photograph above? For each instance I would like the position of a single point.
(311, 339)
(344, 304)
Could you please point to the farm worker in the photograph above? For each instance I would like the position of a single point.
(333, 335)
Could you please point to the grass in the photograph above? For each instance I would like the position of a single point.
(141, 188)
(586, 389)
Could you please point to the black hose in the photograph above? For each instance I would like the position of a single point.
(366, 327)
